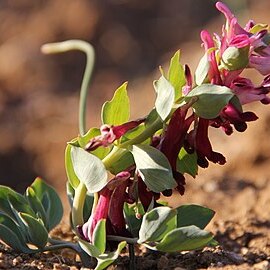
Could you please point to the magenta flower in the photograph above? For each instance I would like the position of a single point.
(173, 141)
(198, 140)
(111, 133)
(110, 207)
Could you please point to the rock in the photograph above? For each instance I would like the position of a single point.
(263, 265)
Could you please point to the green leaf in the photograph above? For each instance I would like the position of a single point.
(89, 169)
(116, 111)
(72, 177)
(187, 163)
(156, 223)
(165, 97)
(176, 75)
(50, 202)
(202, 70)
(89, 248)
(192, 214)
(15, 236)
(19, 203)
(123, 162)
(37, 233)
(8, 236)
(133, 223)
(131, 134)
(211, 99)
(36, 205)
(154, 168)
(184, 239)
(99, 236)
(104, 260)
(101, 151)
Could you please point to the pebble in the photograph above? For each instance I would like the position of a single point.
(263, 265)
(179, 268)
(162, 263)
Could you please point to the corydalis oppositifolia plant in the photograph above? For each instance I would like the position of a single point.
(118, 174)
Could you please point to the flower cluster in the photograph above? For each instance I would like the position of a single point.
(184, 130)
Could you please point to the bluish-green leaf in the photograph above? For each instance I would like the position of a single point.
(156, 223)
(202, 70)
(36, 205)
(104, 260)
(165, 97)
(176, 75)
(211, 99)
(16, 236)
(192, 214)
(8, 236)
(117, 111)
(89, 169)
(90, 249)
(153, 167)
(50, 201)
(20, 204)
(184, 239)
(99, 236)
(187, 163)
(37, 233)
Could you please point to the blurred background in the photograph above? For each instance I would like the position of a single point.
(39, 94)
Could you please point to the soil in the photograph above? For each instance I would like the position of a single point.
(35, 125)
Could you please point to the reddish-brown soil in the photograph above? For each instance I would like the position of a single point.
(38, 115)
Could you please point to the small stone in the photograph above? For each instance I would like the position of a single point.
(162, 263)
(263, 265)
(179, 268)
(244, 250)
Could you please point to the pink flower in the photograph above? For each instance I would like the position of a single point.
(198, 140)
(173, 141)
(111, 133)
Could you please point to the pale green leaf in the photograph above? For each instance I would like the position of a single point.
(99, 236)
(165, 97)
(187, 163)
(154, 168)
(192, 214)
(89, 169)
(184, 239)
(117, 111)
(211, 99)
(202, 70)
(176, 75)
(156, 223)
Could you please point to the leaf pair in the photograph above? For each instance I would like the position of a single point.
(27, 219)
(180, 229)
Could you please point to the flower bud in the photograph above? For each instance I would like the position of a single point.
(235, 58)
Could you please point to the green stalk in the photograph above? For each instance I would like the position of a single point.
(77, 207)
(85, 47)
(120, 150)
(60, 47)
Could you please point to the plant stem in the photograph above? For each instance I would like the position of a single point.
(85, 47)
(132, 259)
(121, 238)
(78, 203)
(119, 150)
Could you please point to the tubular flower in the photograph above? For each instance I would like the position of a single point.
(111, 133)
(110, 207)
(198, 140)
(173, 141)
